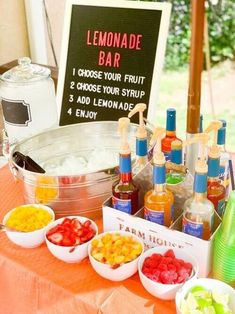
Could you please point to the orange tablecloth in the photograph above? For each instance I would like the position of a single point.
(32, 281)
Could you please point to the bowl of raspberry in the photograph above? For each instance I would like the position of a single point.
(164, 270)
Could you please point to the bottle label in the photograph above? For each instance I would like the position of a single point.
(221, 207)
(225, 177)
(176, 156)
(122, 205)
(154, 216)
(221, 172)
(167, 156)
(193, 228)
(172, 212)
(227, 181)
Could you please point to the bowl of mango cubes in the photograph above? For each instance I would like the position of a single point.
(114, 255)
(205, 296)
(27, 223)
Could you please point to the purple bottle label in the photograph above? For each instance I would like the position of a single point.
(154, 216)
(193, 228)
(221, 207)
(122, 205)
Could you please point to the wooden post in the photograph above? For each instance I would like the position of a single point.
(196, 63)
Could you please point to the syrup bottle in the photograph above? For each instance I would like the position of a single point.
(224, 158)
(174, 177)
(125, 194)
(178, 179)
(170, 132)
(158, 202)
(215, 189)
(198, 214)
(141, 139)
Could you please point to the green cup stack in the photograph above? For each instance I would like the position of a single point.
(223, 267)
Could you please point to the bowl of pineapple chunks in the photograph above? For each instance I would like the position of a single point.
(114, 255)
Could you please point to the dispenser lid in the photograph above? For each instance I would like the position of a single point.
(25, 72)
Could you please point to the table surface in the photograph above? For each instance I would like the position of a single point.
(33, 281)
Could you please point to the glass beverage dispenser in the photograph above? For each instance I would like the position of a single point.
(27, 94)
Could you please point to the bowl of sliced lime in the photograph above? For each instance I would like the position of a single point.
(205, 295)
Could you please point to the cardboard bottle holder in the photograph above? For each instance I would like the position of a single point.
(153, 234)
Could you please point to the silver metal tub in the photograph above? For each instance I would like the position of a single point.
(70, 194)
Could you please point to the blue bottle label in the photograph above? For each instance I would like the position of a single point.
(221, 207)
(221, 172)
(176, 156)
(122, 205)
(154, 216)
(167, 155)
(193, 228)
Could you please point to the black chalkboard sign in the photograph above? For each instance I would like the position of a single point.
(112, 55)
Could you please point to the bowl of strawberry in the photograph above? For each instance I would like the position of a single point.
(164, 270)
(68, 238)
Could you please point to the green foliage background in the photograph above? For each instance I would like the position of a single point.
(221, 20)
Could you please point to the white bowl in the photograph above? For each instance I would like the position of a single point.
(209, 284)
(160, 290)
(67, 253)
(122, 272)
(28, 239)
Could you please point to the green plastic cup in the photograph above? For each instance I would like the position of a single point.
(223, 265)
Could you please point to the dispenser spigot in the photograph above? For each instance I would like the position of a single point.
(214, 126)
(158, 156)
(141, 131)
(202, 139)
(123, 124)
